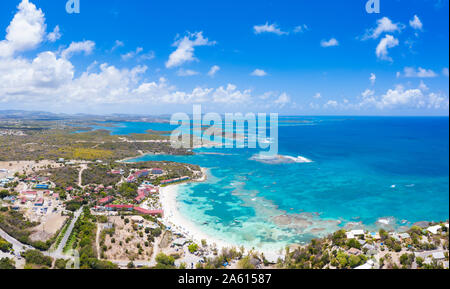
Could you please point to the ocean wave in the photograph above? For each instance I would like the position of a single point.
(280, 159)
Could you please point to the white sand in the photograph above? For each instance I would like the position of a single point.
(172, 217)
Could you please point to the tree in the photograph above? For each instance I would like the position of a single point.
(354, 261)
(6, 263)
(245, 263)
(4, 194)
(130, 265)
(193, 248)
(165, 262)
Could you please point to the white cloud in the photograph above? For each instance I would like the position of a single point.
(25, 32)
(416, 23)
(78, 47)
(214, 69)
(411, 72)
(387, 42)
(317, 95)
(367, 93)
(132, 54)
(266, 28)
(437, 101)
(329, 43)
(331, 104)
(423, 86)
(445, 71)
(186, 72)
(54, 35)
(117, 44)
(230, 94)
(301, 28)
(401, 97)
(383, 25)
(258, 72)
(282, 100)
(373, 78)
(185, 49)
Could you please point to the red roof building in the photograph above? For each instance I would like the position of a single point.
(105, 201)
(149, 212)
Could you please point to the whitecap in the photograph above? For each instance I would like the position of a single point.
(280, 159)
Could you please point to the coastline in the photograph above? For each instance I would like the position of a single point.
(173, 218)
(179, 223)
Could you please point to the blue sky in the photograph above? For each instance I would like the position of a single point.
(292, 57)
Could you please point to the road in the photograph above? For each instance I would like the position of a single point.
(17, 246)
(64, 240)
(80, 175)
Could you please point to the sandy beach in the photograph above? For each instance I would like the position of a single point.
(179, 223)
(173, 218)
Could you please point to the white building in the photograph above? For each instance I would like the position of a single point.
(434, 229)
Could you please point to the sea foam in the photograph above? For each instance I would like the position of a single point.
(280, 159)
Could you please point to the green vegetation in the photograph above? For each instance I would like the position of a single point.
(62, 233)
(84, 241)
(165, 262)
(4, 194)
(63, 177)
(60, 264)
(52, 140)
(5, 246)
(7, 264)
(35, 257)
(101, 173)
(193, 248)
(15, 225)
(245, 263)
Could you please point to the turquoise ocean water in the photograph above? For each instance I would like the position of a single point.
(362, 169)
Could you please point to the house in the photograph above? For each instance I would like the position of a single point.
(131, 179)
(157, 171)
(140, 174)
(137, 219)
(354, 234)
(28, 196)
(172, 181)
(119, 207)
(105, 201)
(368, 266)
(139, 199)
(148, 212)
(42, 187)
(40, 202)
(438, 256)
(11, 199)
(180, 242)
(117, 172)
(434, 229)
(371, 249)
(404, 236)
(354, 251)
(69, 189)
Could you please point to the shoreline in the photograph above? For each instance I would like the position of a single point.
(180, 224)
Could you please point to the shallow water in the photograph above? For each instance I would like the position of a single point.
(362, 169)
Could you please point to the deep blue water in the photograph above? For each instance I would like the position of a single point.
(363, 169)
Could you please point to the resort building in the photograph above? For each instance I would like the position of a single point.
(157, 171)
(172, 181)
(105, 201)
